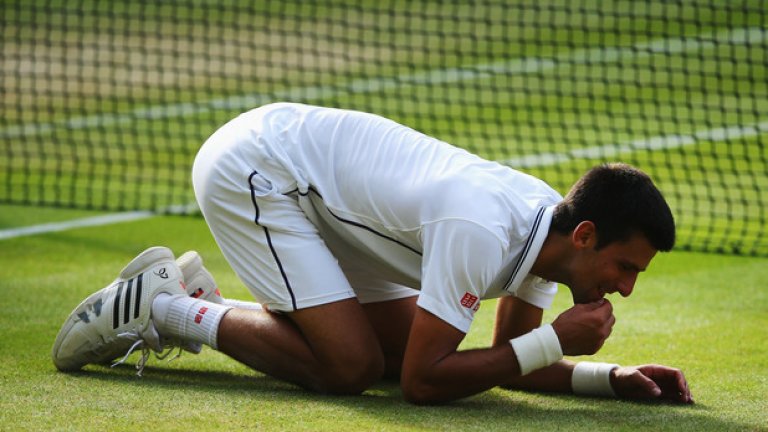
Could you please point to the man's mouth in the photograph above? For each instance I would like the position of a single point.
(600, 295)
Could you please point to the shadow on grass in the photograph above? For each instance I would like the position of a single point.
(383, 403)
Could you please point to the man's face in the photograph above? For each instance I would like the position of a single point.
(614, 268)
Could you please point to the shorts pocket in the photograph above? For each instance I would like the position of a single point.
(261, 186)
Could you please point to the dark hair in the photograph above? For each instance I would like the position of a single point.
(621, 201)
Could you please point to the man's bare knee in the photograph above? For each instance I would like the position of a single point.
(347, 354)
(352, 377)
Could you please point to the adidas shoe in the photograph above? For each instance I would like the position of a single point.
(200, 285)
(198, 279)
(117, 319)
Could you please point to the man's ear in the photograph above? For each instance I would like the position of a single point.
(584, 235)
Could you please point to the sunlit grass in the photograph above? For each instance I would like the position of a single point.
(705, 314)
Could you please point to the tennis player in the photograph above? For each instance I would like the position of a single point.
(369, 247)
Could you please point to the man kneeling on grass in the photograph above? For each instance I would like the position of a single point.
(369, 246)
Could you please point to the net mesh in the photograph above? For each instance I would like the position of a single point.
(106, 103)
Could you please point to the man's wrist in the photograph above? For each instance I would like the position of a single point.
(593, 379)
(537, 349)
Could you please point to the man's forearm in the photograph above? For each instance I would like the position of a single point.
(514, 318)
(458, 375)
(434, 371)
(555, 378)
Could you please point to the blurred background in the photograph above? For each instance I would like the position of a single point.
(104, 104)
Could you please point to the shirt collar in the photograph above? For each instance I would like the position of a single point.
(531, 249)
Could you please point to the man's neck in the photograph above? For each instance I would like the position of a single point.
(553, 261)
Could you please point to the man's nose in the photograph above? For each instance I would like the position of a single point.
(626, 286)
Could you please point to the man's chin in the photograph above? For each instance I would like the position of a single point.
(580, 300)
(587, 300)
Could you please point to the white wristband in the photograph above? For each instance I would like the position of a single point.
(593, 379)
(537, 349)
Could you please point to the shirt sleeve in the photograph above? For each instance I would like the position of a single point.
(537, 291)
(461, 259)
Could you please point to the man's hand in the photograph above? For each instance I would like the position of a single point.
(651, 382)
(583, 329)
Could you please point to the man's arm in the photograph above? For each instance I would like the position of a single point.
(434, 371)
(515, 317)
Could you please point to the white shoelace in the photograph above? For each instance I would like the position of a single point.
(145, 352)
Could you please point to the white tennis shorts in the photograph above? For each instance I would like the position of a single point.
(252, 210)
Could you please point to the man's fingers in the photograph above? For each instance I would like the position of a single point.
(605, 308)
(601, 309)
(606, 315)
(677, 389)
(651, 388)
(597, 304)
(685, 392)
(673, 382)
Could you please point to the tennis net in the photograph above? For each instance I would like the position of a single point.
(106, 103)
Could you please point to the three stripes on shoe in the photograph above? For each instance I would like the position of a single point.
(133, 290)
(127, 303)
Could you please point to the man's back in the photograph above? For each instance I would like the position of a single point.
(371, 170)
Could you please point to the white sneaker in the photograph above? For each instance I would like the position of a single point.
(117, 319)
(200, 285)
(198, 279)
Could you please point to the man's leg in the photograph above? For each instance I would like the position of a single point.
(320, 338)
(329, 348)
(391, 321)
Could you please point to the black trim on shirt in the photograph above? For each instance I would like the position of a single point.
(358, 224)
(527, 247)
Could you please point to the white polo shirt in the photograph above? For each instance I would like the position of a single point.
(409, 208)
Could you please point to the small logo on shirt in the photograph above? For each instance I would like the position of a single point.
(470, 301)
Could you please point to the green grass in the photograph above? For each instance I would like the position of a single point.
(706, 314)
